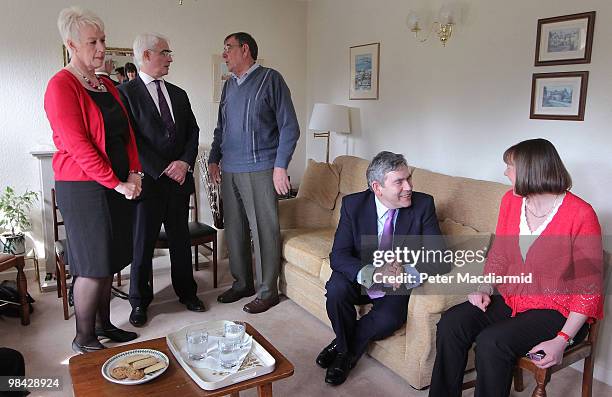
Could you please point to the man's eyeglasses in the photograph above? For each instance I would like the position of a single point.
(228, 47)
(164, 53)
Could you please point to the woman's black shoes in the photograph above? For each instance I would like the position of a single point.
(116, 335)
(82, 349)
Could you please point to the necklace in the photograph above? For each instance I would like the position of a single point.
(100, 86)
(547, 212)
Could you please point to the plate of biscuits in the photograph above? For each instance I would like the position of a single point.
(134, 367)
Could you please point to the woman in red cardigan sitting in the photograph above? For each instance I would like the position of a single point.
(97, 173)
(542, 230)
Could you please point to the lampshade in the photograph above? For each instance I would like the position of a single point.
(326, 117)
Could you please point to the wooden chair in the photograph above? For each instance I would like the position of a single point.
(61, 275)
(584, 350)
(8, 261)
(200, 234)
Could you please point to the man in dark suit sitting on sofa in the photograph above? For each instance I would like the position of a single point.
(387, 216)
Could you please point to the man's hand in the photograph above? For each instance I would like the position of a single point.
(108, 66)
(281, 180)
(554, 352)
(177, 170)
(215, 173)
(480, 299)
(128, 189)
(135, 179)
(391, 269)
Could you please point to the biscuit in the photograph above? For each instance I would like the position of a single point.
(119, 372)
(134, 374)
(147, 362)
(134, 358)
(155, 367)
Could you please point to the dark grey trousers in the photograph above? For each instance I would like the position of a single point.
(250, 209)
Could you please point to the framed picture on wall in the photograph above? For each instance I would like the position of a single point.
(565, 40)
(559, 96)
(364, 71)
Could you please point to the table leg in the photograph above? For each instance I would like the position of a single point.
(22, 287)
(235, 394)
(265, 390)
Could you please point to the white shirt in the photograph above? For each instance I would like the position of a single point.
(528, 237)
(152, 87)
(240, 80)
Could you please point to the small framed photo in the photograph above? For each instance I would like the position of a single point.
(565, 40)
(220, 75)
(364, 71)
(559, 96)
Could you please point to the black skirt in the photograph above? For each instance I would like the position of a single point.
(98, 224)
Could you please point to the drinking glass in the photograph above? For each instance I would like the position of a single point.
(197, 344)
(229, 351)
(234, 332)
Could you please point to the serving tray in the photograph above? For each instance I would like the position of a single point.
(258, 362)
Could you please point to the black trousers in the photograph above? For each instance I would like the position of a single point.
(172, 210)
(387, 315)
(500, 340)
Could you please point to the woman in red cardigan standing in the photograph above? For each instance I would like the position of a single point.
(542, 230)
(97, 173)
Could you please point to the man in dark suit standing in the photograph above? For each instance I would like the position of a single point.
(386, 216)
(167, 139)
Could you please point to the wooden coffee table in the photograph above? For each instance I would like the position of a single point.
(87, 380)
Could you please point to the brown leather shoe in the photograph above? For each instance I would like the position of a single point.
(260, 305)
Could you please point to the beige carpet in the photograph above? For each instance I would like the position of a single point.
(45, 343)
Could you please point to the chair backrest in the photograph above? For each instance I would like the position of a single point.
(57, 222)
(193, 207)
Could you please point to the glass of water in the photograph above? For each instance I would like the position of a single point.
(229, 350)
(197, 344)
(234, 332)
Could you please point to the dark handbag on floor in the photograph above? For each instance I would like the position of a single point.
(9, 293)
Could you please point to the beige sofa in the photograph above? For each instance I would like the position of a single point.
(308, 223)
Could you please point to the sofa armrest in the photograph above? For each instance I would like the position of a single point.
(302, 213)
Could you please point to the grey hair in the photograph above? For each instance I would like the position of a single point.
(72, 19)
(143, 42)
(382, 164)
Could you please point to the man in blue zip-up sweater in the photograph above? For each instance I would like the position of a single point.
(256, 134)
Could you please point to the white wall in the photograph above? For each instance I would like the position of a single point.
(456, 109)
(31, 54)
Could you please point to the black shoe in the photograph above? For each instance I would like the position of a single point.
(82, 349)
(138, 317)
(116, 335)
(339, 369)
(194, 304)
(327, 355)
(231, 295)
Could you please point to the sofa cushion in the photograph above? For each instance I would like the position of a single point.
(306, 248)
(320, 183)
(326, 271)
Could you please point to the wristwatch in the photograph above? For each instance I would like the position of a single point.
(139, 173)
(567, 338)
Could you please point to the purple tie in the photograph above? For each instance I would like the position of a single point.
(386, 243)
(164, 111)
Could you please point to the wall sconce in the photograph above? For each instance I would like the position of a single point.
(443, 27)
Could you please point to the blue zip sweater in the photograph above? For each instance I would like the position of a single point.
(257, 128)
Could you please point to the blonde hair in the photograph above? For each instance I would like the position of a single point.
(72, 19)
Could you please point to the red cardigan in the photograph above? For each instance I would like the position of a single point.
(566, 260)
(78, 132)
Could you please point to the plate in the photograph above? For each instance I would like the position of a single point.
(112, 362)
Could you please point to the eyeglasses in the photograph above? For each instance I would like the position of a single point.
(164, 53)
(228, 47)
